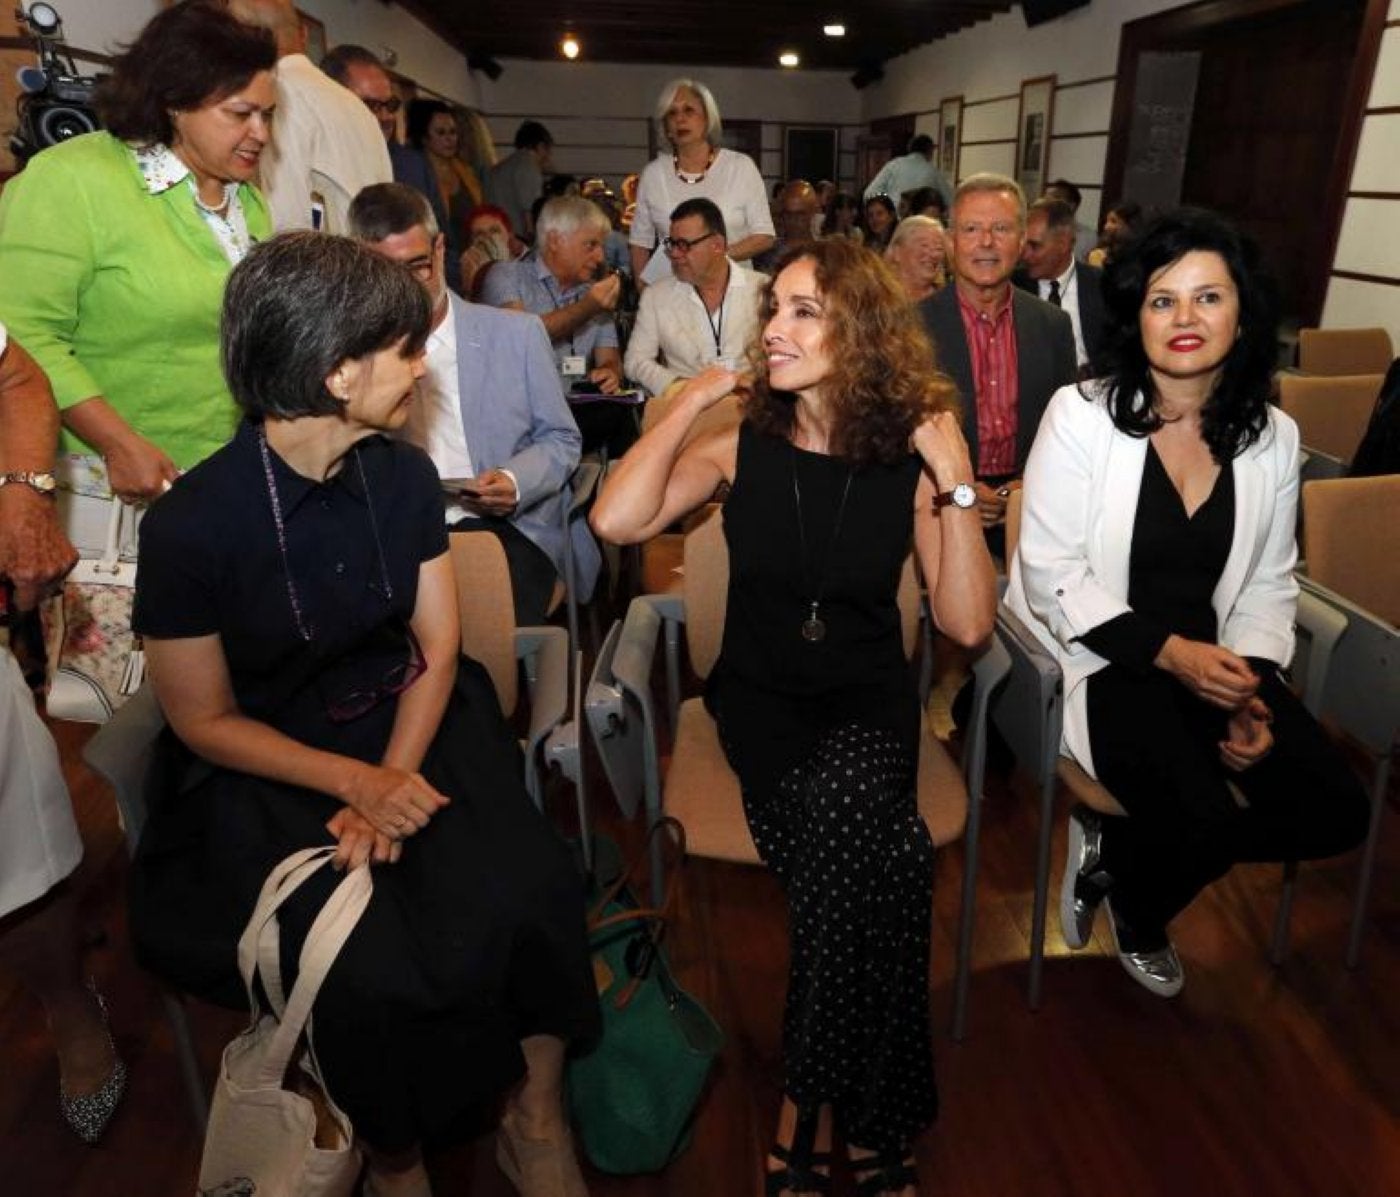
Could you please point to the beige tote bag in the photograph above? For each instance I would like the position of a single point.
(264, 1138)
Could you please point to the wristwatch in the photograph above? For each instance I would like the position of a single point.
(43, 482)
(961, 495)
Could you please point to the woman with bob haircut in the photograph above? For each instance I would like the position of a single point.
(695, 166)
(115, 247)
(299, 612)
(849, 455)
(880, 221)
(1156, 564)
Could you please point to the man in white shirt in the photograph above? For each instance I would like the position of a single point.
(909, 172)
(490, 412)
(1050, 272)
(326, 145)
(707, 312)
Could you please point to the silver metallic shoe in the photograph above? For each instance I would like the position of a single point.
(1077, 910)
(89, 1113)
(1159, 971)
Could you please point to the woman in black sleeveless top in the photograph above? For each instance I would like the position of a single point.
(849, 455)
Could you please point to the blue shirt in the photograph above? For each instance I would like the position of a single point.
(529, 283)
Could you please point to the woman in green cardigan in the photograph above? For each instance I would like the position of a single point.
(115, 247)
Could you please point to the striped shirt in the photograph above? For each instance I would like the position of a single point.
(991, 343)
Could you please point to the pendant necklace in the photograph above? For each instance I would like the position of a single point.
(814, 627)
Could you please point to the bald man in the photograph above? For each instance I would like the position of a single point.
(793, 217)
(326, 145)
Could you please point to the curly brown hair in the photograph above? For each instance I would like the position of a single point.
(884, 381)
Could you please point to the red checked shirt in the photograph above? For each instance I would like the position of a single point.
(991, 343)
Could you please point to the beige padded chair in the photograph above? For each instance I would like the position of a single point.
(489, 635)
(701, 790)
(1332, 412)
(1344, 350)
(1352, 538)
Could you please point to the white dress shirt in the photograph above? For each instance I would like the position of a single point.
(675, 335)
(1069, 304)
(324, 141)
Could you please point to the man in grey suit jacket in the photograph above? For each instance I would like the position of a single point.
(981, 324)
(1049, 272)
(490, 411)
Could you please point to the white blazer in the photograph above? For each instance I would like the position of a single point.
(1070, 570)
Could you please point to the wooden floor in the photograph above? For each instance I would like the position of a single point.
(1256, 1081)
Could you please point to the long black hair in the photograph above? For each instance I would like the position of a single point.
(1236, 413)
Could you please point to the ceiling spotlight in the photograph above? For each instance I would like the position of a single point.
(834, 30)
(788, 59)
(569, 47)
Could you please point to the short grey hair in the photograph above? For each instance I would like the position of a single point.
(911, 224)
(713, 128)
(989, 181)
(566, 214)
(384, 210)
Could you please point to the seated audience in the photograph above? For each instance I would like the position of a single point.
(432, 131)
(39, 843)
(1121, 223)
(328, 145)
(1067, 192)
(558, 282)
(360, 71)
(826, 195)
(1007, 351)
(517, 180)
(797, 209)
(489, 240)
(915, 254)
(909, 172)
(114, 248)
(843, 220)
(705, 314)
(1155, 564)
(299, 610)
(880, 219)
(490, 411)
(849, 442)
(1048, 270)
(696, 166)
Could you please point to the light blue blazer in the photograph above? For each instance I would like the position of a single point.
(515, 418)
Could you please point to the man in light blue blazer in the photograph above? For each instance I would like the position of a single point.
(490, 411)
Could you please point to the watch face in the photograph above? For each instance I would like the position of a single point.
(964, 496)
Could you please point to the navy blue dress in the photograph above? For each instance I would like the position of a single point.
(475, 938)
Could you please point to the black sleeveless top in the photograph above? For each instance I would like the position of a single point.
(772, 582)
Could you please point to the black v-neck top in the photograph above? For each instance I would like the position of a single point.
(1175, 565)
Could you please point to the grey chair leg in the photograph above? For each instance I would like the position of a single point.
(1042, 887)
(967, 914)
(1278, 948)
(672, 633)
(1368, 861)
(195, 1090)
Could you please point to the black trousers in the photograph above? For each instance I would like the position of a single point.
(532, 573)
(1157, 749)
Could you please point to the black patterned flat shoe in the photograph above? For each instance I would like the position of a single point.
(89, 1113)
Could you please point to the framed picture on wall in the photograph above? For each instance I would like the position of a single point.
(315, 32)
(950, 136)
(1033, 134)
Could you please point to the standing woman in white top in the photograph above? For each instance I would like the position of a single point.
(695, 164)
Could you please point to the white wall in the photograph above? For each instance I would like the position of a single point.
(422, 55)
(987, 62)
(618, 100)
(1368, 242)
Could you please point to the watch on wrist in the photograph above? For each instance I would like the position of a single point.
(961, 495)
(41, 481)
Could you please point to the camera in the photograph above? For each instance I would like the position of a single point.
(57, 100)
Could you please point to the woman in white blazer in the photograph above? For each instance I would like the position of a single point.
(1155, 562)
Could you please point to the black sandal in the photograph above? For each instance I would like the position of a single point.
(886, 1172)
(798, 1174)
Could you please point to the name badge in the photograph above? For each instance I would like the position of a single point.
(728, 362)
(575, 365)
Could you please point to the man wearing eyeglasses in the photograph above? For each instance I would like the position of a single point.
(327, 147)
(705, 313)
(490, 411)
(1007, 350)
